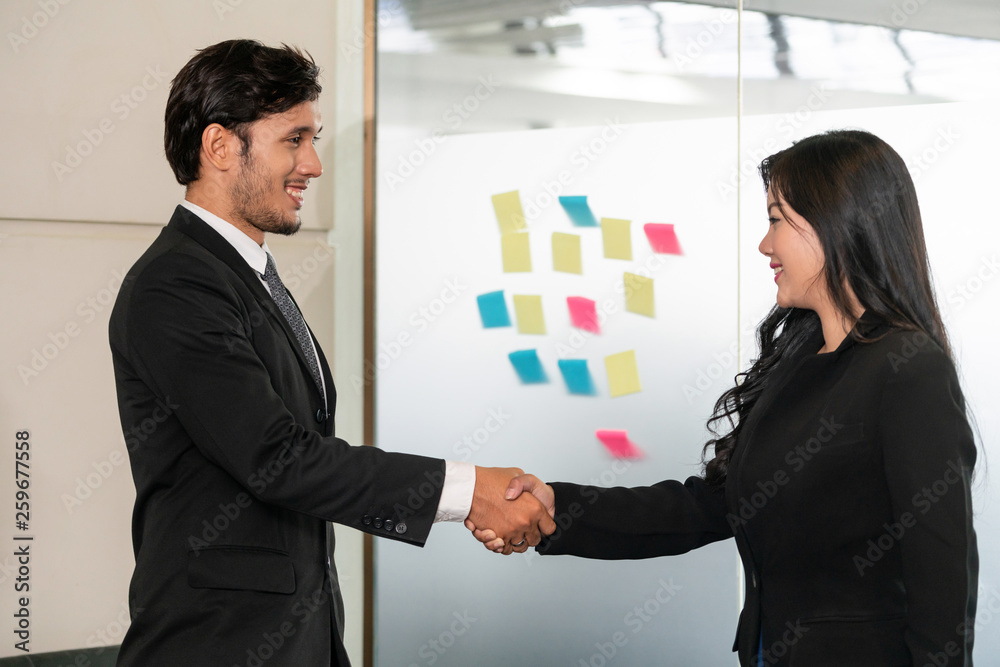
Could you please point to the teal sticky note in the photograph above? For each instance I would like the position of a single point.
(578, 211)
(493, 310)
(577, 377)
(528, 366)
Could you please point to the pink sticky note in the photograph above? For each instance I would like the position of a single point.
(663, 238)
(619, 445)
(583, 313)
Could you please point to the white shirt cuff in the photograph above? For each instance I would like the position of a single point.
(456, 496)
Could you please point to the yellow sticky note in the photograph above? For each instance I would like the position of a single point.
(516, 252)
(623, 374)
(617, 238)
(510, 215)
(639, 295)
(566, 253)
(530, 319)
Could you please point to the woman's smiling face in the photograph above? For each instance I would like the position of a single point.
(796, 256)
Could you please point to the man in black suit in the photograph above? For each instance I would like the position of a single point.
(228, 401)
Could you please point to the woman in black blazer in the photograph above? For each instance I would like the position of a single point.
(842, 459)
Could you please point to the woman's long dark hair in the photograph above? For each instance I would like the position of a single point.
(856, 193)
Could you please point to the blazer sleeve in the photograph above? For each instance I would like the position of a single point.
(616, 523)
(187, 341)
(929, 452)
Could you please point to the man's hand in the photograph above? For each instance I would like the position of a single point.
(540, 490)
(517, 522)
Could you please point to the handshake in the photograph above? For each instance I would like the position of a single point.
(505, 520)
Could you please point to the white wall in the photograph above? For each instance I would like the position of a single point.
(84, 188)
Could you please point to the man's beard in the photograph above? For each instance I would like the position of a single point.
(250, 200)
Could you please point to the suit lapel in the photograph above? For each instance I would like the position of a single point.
(191, 225)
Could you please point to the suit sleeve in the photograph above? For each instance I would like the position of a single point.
(929, 452)
(665, 519)
(188, 341)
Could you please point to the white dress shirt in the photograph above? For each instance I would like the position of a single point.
(459, 477)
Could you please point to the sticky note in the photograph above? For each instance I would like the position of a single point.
(510, 215)
(577, 376)
(516, 252)
(663, 238)
(493, 310)
(619, 445)
(623, 374)
(639, 295)
(528, 366)
(578, 211)
(617, 238)
(530, 319)
(583, 314)
(566, 253)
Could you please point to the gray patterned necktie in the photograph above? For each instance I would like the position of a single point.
(294, 319)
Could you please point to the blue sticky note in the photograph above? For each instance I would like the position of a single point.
(528, 366)
(578, 211)
(577, 377)
(493, 310)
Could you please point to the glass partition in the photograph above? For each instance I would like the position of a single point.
(657, 113)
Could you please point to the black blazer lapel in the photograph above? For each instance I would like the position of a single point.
(197, 229)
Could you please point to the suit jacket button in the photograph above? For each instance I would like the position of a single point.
(400, 527)
(389, 524)
(320, 416)
(378, 522)
(367, 520)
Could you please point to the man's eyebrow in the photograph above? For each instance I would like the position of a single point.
(305, 128)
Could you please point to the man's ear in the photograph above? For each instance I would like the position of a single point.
(220, 148)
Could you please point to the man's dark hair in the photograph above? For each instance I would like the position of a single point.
(232, 83)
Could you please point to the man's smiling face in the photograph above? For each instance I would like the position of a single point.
(274, 172)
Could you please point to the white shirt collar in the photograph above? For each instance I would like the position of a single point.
(255, 255)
